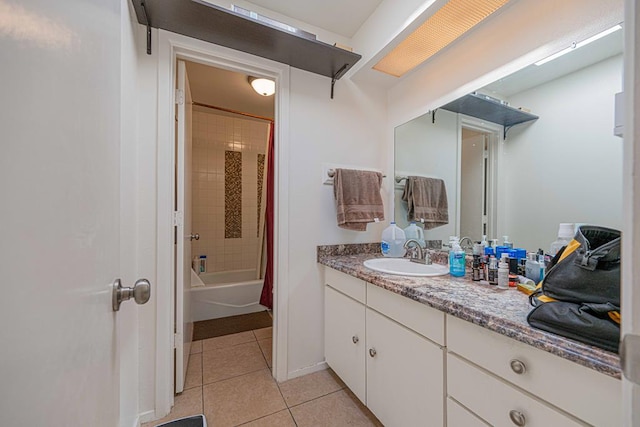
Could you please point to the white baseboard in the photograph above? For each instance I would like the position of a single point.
(308, 370)
(145, 417)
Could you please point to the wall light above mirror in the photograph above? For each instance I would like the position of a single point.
(564, 167)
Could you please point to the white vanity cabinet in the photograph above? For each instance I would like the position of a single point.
(393, 353)
(400, 368)
(506, 382)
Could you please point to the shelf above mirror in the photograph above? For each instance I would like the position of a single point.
(486, 108)
(223, 27)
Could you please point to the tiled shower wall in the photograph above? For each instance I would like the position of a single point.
(214, 134)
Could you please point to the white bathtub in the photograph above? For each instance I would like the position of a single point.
(224, 294)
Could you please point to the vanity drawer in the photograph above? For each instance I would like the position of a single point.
(498, 403)
(457, 416)
(348, 285)
(421, 318)
(583, 392)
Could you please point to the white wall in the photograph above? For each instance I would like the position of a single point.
(566, 166)
(347, 130)
(429, 149)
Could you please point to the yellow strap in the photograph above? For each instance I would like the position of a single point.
(615, 316)
(571, 247)
(545, 298)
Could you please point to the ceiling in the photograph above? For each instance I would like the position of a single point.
(227, 89)
(343, 17)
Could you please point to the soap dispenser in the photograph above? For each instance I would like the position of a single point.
(457, 259)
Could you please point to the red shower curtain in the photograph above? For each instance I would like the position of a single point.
(266, 298)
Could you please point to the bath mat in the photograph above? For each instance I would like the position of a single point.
(195, 421)
(231, 325)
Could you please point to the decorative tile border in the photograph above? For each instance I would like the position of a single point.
(232, 194)
(260, 166)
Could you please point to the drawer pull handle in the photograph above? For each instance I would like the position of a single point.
(355, 339)
(517, 418)
(372, 352)
(518, 367)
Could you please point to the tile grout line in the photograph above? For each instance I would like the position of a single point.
(315, 398)
(286, 404)
(235, 376)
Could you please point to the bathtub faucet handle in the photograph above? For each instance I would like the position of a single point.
(194, 236)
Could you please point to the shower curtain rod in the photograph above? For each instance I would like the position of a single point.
(199, 104)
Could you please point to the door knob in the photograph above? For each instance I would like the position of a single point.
(194, 236)
(141, 292)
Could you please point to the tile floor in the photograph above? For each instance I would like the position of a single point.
(229, 380)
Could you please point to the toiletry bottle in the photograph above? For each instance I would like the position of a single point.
(493, 271)
(203, 263)
(476, 268)
(532, 268)
(503, 272)
(543, 266)
(483, 242)
(393, 239)
(195, 264)
(506, 242)
(457, 260)
(565, 235)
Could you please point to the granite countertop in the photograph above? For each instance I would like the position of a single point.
(502, 311)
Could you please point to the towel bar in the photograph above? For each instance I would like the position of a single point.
(331, 173)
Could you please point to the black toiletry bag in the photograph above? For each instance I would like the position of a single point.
(579, 297)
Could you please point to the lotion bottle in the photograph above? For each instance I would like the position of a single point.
(503, 273)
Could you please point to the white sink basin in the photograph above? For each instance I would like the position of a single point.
(404, 267)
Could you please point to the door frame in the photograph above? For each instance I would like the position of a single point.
(631, 202)
(172, 47)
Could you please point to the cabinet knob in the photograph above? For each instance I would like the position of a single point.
(355, 339)
(372, 352)
(517, 418)
(518, 367)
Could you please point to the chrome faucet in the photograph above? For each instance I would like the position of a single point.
(466, 243)
(422, 253)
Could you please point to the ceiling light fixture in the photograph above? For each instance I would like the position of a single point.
(264, 87)
(575, 45)
(442, 28)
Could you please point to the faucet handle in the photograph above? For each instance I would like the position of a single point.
(427, 257)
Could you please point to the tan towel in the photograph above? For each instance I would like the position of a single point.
(358, 199)
(426, 201)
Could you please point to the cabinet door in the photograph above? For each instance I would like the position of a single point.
(405, 384)
(344, 339)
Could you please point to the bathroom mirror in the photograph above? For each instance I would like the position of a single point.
(566, 166)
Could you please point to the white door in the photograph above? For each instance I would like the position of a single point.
(59, 187)
(472, 184)
(183, 322)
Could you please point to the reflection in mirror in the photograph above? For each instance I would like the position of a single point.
(565, 166)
